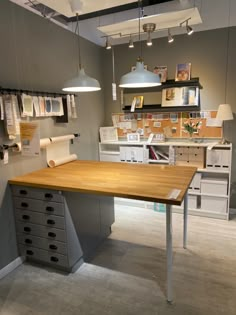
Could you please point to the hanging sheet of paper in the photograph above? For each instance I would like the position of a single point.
(9, 122)
(30, 138)
(73, 107)
(27, 102)
(114, 95)
(1, 109)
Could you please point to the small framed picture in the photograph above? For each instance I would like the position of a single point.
(134, 67)
(138, 101)
(161, 71)
(133, 137)
(108, 134)
(183, 72)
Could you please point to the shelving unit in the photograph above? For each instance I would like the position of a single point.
(219, 171)
(165, 85)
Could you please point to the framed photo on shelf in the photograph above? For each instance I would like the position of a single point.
(184, 96)
(108, 134)
(183, 72)
(161, 71)
(133, 137)
(137, 102)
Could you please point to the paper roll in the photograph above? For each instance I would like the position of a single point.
(62, 138)
(44, 142)
(67, 159)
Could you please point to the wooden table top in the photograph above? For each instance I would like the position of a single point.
(127, 180)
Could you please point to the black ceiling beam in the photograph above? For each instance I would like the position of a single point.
(124, 7)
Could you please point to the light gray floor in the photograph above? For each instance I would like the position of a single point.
(128, 273)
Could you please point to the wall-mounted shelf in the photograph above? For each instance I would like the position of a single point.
(156, 91)
(159, 108)
(165, 85)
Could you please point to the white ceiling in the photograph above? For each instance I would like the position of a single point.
(213, 13)
(162, 21)
(86, 6)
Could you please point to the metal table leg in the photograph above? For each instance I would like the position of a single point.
(185, 219)
(169, 252)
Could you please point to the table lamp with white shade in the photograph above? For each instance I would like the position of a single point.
(224, 113)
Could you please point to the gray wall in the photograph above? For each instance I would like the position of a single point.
(37, 54)
(207, 51)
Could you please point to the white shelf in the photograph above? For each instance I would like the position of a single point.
(202, 213)
(208, 195)
(215, 170)
(110, 152)
(158, 161)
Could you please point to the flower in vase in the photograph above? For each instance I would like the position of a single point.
(192, 126)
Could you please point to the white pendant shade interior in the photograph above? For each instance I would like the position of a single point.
(140, 77)
(82, 82)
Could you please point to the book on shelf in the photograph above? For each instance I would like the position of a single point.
(157, 154)
(153, 154)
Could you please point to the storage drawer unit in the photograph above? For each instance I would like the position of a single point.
(214, 204)
(214, 186)
(45, 231)
(218, 159)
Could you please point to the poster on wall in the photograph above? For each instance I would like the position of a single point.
(30, 139)
(184, 96)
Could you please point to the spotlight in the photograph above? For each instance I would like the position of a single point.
(170, 37)
(108, 44)
(131, 43)
(189, 29)
(149, 40)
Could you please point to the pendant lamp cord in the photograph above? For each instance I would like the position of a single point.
(227, 54)
(139, 27)
(77, 27)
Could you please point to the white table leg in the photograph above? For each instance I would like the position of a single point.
(185, 219)
(169, 251)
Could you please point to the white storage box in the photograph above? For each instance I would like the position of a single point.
(215, 204)
(215, 186)
(192, 202)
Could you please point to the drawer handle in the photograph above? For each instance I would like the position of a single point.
(25, 217)
(28, 241)
(54, 259)
(24, 205)
(30, 252)
(47, 195)
(51, 222)
(52, 246)
(51, 234)
(23, 192)
(49, 209)
(27, 229)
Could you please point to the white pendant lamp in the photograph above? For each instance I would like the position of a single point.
(140, 77)
(82, 82)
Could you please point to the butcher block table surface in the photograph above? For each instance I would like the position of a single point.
(127, 180)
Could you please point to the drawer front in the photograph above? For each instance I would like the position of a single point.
(40, 218)
(28, 216)
(39, 205)
(41, 231)
(54, 258)
(29, 251)
(43, 243)
(37, 193)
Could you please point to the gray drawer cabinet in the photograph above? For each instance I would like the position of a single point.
(45, 231)
(60, 229)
